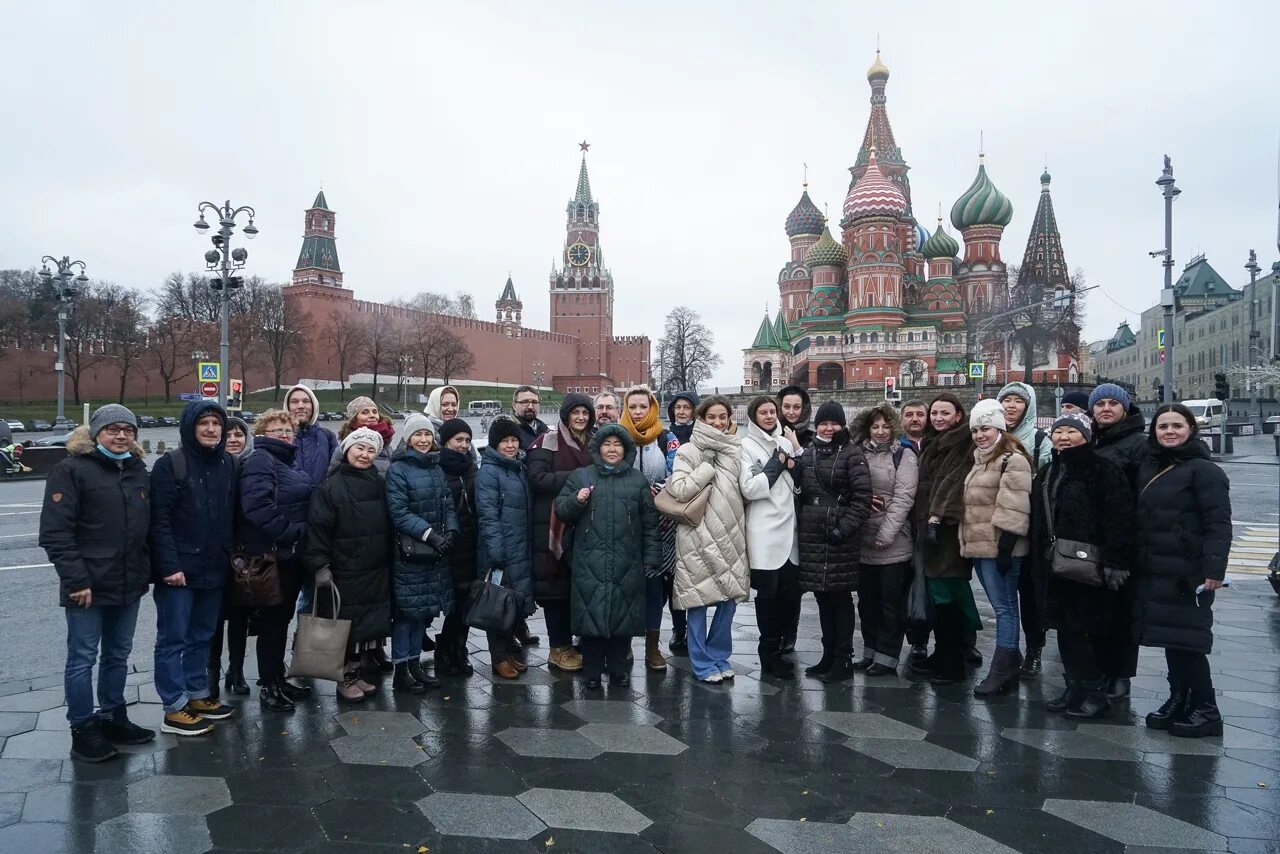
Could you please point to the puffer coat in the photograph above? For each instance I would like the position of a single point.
(274, 497)
(1184, 537)
(835, 496)
(349, 531)
(997, 500)
(1090, 502)
(1035, 441)
(553, 456)
(615, 541)
(945, 459)
(771, 510)
(711, 557)
(419, 499)
(894, 474)
(1125, 444)
(505, 522)
(460, 473)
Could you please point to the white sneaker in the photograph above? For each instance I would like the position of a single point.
(713, 678)
(726, 674)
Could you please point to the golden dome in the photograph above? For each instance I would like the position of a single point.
(878, 69)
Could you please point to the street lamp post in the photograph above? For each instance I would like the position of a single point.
(1255, 337)
(66, 286)
(224, 260)
(1170, 192)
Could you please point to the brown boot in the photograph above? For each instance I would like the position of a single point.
(519, 665)
(347, 688)
(505, 670)
(653, 658)
(565, 658)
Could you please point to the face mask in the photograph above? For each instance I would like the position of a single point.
(112, 454)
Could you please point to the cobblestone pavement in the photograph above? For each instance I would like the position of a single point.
(673, 765)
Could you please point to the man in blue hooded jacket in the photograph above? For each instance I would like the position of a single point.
(192, 529)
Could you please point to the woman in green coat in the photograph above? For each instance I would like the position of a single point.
(615, 546)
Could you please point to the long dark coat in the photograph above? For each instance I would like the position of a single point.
(418, 499)
(505, 526)
(554, 456)
(1125, 444)
(616, 537)
(945, 460)
(349, 531)
(835, 494)
(1184, 537)
(460, 473)
(1090, 501)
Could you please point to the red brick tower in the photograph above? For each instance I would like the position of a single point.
(509, 310)
(318, 261)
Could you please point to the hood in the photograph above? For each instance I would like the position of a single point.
(805, 414)
(1027, 426)
(413, 455)
(572, 401)
(193, 412)
(432, 409)
(248, 433)
(691, 396)
(315, 403)
(284, 451)
(767, 440)
(81, 444)
(628, 447)
(1192, 449)
(490, 456)
(1134, 422)
(862, 422)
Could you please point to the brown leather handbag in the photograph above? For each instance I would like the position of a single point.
(255, 580)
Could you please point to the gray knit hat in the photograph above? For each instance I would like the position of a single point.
(415, 422)
(1076, 421)
(112, 413)
(358, 403)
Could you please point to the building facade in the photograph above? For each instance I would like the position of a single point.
(891, 298)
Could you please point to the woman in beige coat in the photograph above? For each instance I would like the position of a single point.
(997, 519)
(711, 557)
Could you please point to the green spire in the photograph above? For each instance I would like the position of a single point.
(765, 339)
(320, 201)
(584, 184)
(781, 333)
(509, 292)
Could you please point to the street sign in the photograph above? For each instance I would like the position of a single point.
(188, 396)
(1159, 339)
(210, 372)
(209, 389)
(977, 370)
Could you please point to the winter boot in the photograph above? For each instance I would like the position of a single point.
(919, 652)
(788, 644)
(524, 636)
(771, 660)
(823, 665)
(946, 665)
(1002, 676)
(653, 658)
(842, 669)
(1171, 709)
(404, 681)
(1090, 701)
(421, 676)
(463, 656)
(272, 699)
(1200, 719)
(88, 744)
(348, 689)
(1031, 664)
(235, 681)
(446, 656)
(1118, 688)
(118, 729)
(565, 658)
(1060, 703)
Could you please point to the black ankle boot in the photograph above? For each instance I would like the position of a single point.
(841, 669)
(771, 660)
(1031, 665)
(463, 656)
(1059, 704)
(788, 644)
(679, 642)
(1200, 719)
(423, 678)
(445, 657)
(404, 681)
(235, 681)
(1170, 710)
(1090, 701)
(1118, 688)
(823, 665)
(294, 692)
(273, 699)
(88, 744)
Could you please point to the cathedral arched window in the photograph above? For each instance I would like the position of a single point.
(875, 338)
(862, 338)
(831, 340)
(911, 336)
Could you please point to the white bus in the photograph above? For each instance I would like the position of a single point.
(484, 407)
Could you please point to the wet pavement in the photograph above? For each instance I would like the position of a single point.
(671, 764)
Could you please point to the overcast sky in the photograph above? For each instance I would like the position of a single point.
(445, 135)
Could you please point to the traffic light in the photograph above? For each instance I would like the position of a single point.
(891, 392)
(234, 394)
(1221, 388)
(1160, 393)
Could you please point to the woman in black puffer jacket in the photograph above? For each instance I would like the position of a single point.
(835, 500)
(1184, 538)
(458, 462)
(1087, 499)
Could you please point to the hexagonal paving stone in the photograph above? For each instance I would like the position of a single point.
(1071, 744)
(83, 802)
(489, 816)
(381, 723)
(137, 831)
(866, 725)
(549, 743)
(873, 833)
(23, 775)
(12, 723)
(575, 810)
(606, 712)
(1146, 740)
(1134, 825)
(178, 796)
(38, 744)
(912, 753)
(626, 738)
(380, 750)
(32, 701)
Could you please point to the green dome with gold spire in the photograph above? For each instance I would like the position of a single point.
(940, 244)
(981, 204)
(826, 252)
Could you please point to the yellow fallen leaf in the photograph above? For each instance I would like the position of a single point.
(422, 849)
(802, 818)
(805, 792)
(551, 840)
(991, 812)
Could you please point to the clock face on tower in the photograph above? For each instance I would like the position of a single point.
(579, 254)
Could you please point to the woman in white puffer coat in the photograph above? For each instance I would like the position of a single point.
(773, 548)
(711, 557)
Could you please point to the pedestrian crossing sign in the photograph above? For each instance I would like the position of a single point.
(210, 372)
(977, 370)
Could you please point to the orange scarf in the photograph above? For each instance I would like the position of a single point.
(648, 430)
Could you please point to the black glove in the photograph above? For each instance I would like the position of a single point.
(834, 536)
(1114, 578)
(931, 534)
(440, 542)
(1004, 552)
(773, 470)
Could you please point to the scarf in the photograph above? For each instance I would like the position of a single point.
(386, 430)
(648, 430)
(112, 455)
(455, 462)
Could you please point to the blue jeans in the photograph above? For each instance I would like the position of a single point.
(186, 619)
(655, 598)
(406, 638)
(111, 627)
(1002, 593)
(709, 651)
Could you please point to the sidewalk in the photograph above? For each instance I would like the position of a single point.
(1252, 450)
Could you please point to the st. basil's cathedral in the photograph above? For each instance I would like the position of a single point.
(892, 298)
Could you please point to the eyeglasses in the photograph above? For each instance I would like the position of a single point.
(532, 402)
(280, 431)
(119, 430)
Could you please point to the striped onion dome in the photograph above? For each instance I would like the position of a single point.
(922, 235)
(981, 204)
(940, 245)
(826, 252)
(874, 195)
(805, 218)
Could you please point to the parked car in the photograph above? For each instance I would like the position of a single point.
(166, 421)
(39, 425)
(336, 416)
(1271, 425)
(323, 416)
(147, 421)
(58, 441)
(15, 425)
(248, 417)
(62, 422)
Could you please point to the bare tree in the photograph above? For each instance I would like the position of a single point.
(401, 348)
(171, 345)
(189, 297)
(284, 332)
(85, 344)
(344, 334)
(1039, 320)
(431, 302)
(374, 352)
(455, 356)
(686, 354)
(915, 369)
(431, 340)
(123, 329)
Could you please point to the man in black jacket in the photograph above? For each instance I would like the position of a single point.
(524, 406)
(93, 526)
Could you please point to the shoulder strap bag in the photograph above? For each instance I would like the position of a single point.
(684, 512)
(1071, 560)
(320, 643)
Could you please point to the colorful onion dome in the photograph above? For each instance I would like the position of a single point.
(805, 218)
(922, 235)
(878, 70)
(981, 204)
(874, 195)
(940, 245)
(826, 252)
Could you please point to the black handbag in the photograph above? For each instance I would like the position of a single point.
(494, 608)
(918, 609)
(416, 550)
(1071, 560)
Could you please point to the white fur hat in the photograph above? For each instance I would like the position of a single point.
(987, 413)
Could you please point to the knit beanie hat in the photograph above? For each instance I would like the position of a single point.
(362, 436)
(451, 428)
(1076, 421)
(1077, 398)
(415, 422)
(987, 413)
(112, 413)
(572, 402)
(358, 403)
(501, 428)
(1109, 391)
(830, 411)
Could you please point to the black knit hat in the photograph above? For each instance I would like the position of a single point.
(453, 427)
(572, 402)
(501, 428)
(830, 411)
(1078, 399)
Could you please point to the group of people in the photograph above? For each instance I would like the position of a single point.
(1108, 532)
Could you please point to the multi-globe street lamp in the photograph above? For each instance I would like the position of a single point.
(1255, 339)
(224, 260)
(1170, 192)
(66, 284)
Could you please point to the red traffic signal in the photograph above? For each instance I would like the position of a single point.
(891, 388)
